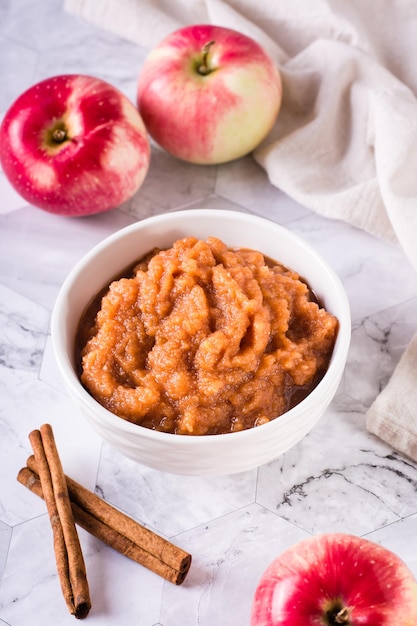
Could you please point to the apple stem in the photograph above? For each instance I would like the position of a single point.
(204, 69)
(342, 616)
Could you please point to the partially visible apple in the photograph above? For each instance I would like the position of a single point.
(336, 579)
(74, 145)
(209, 94)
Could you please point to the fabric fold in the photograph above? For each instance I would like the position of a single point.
(392, 416)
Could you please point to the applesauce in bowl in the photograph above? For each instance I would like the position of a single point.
(202, 339)
(236, 449)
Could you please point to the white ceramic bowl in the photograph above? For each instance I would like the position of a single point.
(208, 454)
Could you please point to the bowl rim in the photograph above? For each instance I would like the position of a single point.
(115, 422)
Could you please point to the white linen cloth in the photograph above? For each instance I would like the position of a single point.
(345, 142)
(392, 416)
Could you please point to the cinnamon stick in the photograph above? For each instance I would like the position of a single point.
(67, 548)
(117, 529)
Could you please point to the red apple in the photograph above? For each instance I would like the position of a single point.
(209, 94)
(336, 579)
(74, 145)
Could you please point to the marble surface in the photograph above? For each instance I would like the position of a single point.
(339, 478)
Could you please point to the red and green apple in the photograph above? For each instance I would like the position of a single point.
(74, 145)
(336, 579)
(209, 94)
